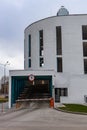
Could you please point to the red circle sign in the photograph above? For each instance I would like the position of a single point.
(31, 77)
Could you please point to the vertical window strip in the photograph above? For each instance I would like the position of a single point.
(59, 64)
(84, 49)
(41, 43)
(84, 37)
(41, 49)
(84, 32)
(58, 41)
(29, 45)
(41, 62)
(29, 63)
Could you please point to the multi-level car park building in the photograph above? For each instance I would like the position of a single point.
(55, 57)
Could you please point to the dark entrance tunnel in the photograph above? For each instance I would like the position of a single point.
(22, 88)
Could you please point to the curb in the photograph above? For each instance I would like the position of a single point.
(79, 113)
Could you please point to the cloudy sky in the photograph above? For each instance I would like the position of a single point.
(15, 15)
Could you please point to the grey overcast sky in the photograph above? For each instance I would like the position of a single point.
(16, 15)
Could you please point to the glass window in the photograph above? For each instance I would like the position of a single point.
(29, 63)
(84, 48)
(41, 42)
(59, 64)
(84, 32)
(41, 62)
(58, 41)
(29, 45)
(85, 66)
(60, 92)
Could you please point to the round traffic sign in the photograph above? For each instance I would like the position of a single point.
(31, 77)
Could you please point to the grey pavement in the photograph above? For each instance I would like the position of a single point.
(3, 107)
(42, 119)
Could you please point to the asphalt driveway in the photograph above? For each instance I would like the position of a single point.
(42, 119)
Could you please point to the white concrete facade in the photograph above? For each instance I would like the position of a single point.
(72, 77)
(72, 48)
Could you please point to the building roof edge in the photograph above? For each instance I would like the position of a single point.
(53, 17)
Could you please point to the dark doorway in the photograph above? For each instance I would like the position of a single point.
(22, 88)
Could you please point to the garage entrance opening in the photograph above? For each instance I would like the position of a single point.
(36, 90)
(23, 89)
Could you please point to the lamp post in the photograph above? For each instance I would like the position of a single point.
(4, 78)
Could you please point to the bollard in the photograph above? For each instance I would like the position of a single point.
(51, 103)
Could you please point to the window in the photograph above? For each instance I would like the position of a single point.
(24, 63)
(58, 41)
(84, 37)
(41, 48)
(84, 48)
(41, 62)
(85, 66)
(59, 64)
(60, 92)
(84, 32)
(29, 63)
(29, 45)
(41, 42)
(64, 92)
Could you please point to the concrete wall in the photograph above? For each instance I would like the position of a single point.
(72, 49)
(76, 85)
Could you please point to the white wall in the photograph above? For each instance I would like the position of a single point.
(76, 84)
(77, 87)
(72, 49)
